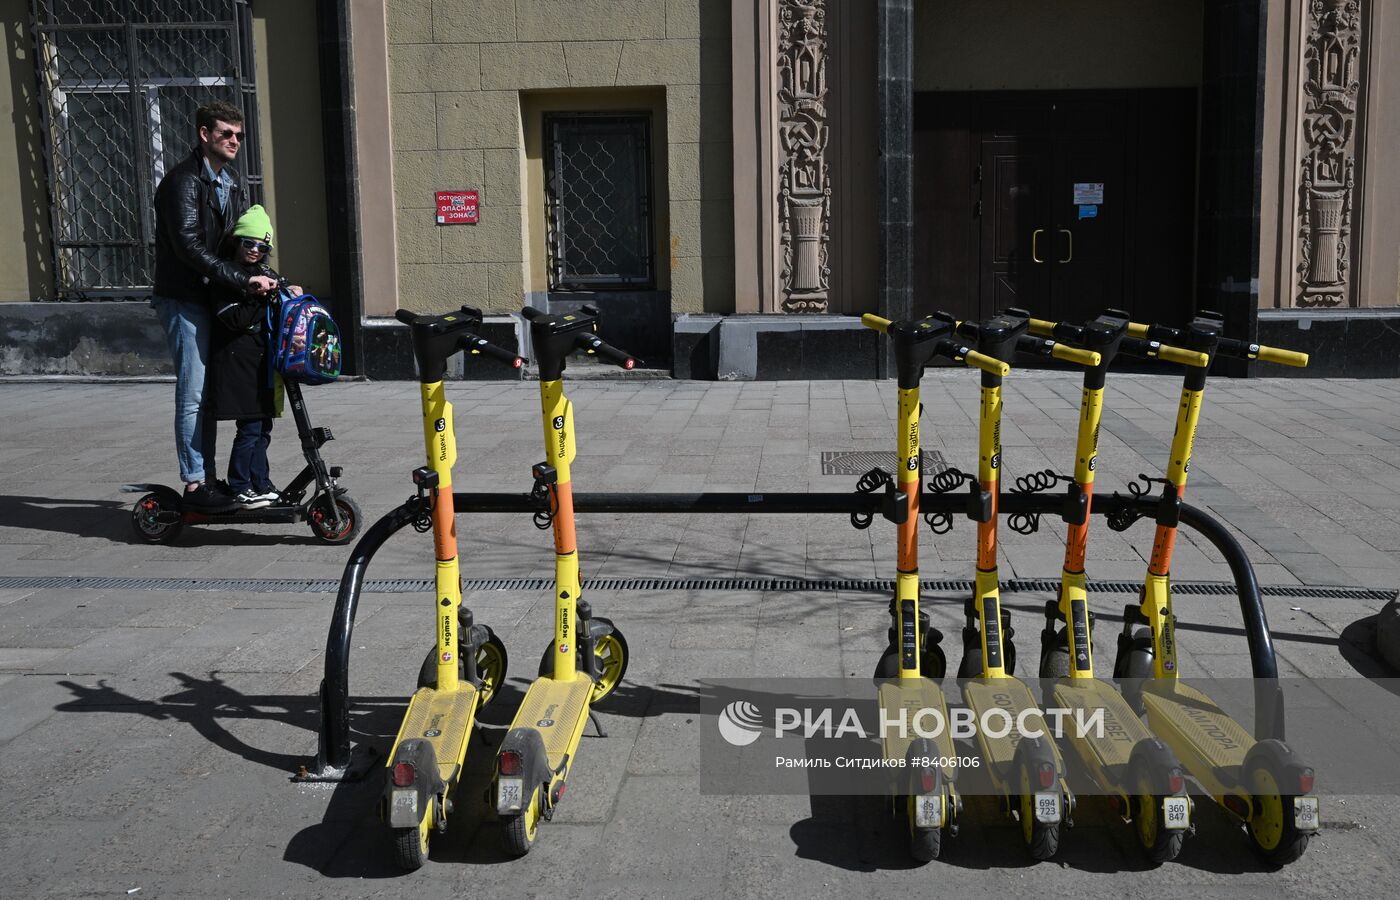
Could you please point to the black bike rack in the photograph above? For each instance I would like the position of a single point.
(333, 758)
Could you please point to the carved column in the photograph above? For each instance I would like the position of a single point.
(1327, 176)
(804, 188)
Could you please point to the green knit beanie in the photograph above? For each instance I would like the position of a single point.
(255, 223)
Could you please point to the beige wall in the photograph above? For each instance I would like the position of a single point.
(289, 116)
(458, 72)
(961, 45)
(26, 266)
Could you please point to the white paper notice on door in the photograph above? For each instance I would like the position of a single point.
(1088, 192)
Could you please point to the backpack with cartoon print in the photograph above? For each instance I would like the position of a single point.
(304, 343)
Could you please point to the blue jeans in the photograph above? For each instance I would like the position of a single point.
(188, 325)
(247, 461)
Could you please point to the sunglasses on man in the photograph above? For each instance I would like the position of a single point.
(250, 244)
(228, 134)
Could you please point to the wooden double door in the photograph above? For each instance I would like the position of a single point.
(1061, 202)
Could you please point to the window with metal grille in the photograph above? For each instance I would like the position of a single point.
(598, 194)
(119, 83)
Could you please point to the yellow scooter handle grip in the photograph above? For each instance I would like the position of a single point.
(1067, 353)
(1282, 357)
(1168, 353)
(1043, 328)
(1138, 329)
(870, 320)
(989, 364)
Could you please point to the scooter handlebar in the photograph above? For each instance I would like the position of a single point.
(989, 364)
(591, 343)
(1182, 356)
(1282, 357)
(1066, 353)
(878, 323)
(1042, 327)
(476, 345)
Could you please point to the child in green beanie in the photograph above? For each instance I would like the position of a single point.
(241, 386)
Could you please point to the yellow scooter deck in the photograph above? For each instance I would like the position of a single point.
(1011, 695)
(1206, 740)
(443, 719)
(1107, 757)
(914, 695)
(558, 710)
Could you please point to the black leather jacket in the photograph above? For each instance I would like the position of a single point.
(189, 227)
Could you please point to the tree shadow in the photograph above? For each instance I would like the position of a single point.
(204, 704)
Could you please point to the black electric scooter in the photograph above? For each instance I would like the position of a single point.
(159, 516)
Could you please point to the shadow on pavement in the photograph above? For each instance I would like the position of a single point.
(204, 704)
(81, 518)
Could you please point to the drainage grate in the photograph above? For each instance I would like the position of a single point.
(858, 462)
(807, 585)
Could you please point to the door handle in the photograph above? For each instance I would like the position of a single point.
(1071, 244)
(1034, 254)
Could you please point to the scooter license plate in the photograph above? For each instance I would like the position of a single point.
(509, 794)
(1305, 815)
(1047, 807)
(928, 811)
(1176, 813)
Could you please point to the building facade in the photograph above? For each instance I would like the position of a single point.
(733, 182)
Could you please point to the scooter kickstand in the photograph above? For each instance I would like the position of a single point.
(593, 717)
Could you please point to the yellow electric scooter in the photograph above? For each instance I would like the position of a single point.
(586, 660)
(1127, 762)
(924, 792)
(1262, 783)
(468, 662)
(1022, 759)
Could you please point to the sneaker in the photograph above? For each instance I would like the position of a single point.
(208, 499)
(270, 494)
(251, 500)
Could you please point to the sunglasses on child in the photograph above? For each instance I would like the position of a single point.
(250, 244)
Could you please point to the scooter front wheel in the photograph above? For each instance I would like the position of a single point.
(322, 520)
(491, 665)
(156, 517)
(610, 651)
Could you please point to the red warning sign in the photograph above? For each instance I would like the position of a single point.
(457, 208)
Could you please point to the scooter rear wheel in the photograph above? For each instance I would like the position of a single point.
(411, 844)
(1271, 828)
(1158, 842)
(1042, 838)
(523, 827)
(925, 844)
(155, 518)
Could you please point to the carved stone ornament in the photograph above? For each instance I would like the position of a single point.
(804, 188)
(1327, 180)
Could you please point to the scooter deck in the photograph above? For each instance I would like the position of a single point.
(444, 719)
(1206, 740)
(1012, 695)
(914, 695)
(558, 710)
(1107, 757)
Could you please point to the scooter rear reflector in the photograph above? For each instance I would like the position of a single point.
(1047, 775)
(926, 781)
(1305, 782)
(404, 773)
(1176, 783)
(511, 763)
